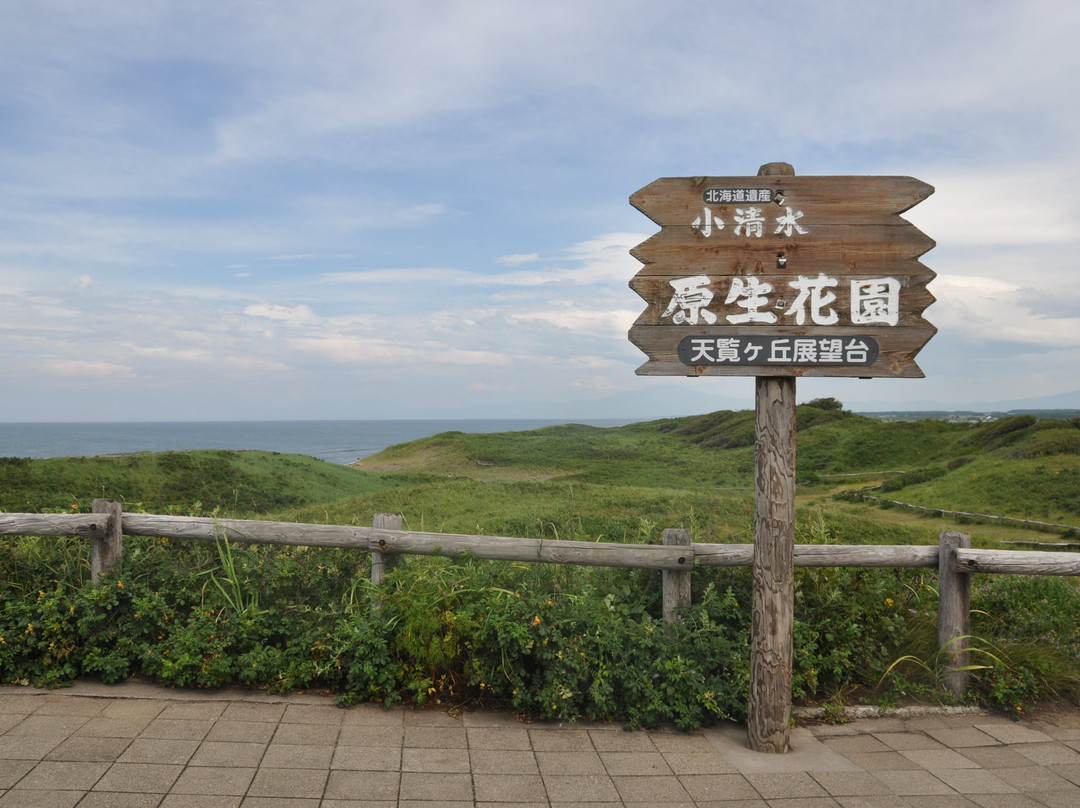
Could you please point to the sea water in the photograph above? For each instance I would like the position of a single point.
(333, 441)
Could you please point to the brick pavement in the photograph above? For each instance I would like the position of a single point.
(137, 746)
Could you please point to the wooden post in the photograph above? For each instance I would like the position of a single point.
(676, 584)
(381, 521)
(954, 612)
(106, 548)
(771, 641)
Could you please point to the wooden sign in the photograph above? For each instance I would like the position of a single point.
(782, 276)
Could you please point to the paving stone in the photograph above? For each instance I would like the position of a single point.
(323, 715)
(635, 763)
(435, 760)
(79, 748)
(850, 784)
(856, 744)
(618, 741)
(255, 801)
(12, 771)
(63, 776)
(306, 734)
(501, 738)
(29, 747)
(903, 741)
(139, 777)
(133, 708)
(714, 787)
(960, 737)
(103, 726)
(71, 706)
(431, 718)
(913, 782)
(935, 759)
(178, 729)
(1005, 801)
(435, 786)
(553, 740)
(297, 756)
(270, 782)
(578, 788)
(158, 750)
(508, 788)
(363, 785)
(511, 761)
(650, 790)
(974, 781)
(253, 711)
(698, 763)
(1035, 778)
(371, 735)
(1013, 733)
(17, 798)
(194, 710)
(1046, 754)
(242, 731)
(214, 780)
(117, 799)
(881, 761)
(430, 737)
(785, 785)
(47, 726)
(222, 753)
(367, 758)
(372, 715)
(995, 757)
(569, 763)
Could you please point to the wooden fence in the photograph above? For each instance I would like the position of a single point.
(675, 558)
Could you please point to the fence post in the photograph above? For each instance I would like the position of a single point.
(676, 582)
(954, 611)
(107, 547)
(381, 521)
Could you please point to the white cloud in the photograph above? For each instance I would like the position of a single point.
(88, 369)
(517, 260)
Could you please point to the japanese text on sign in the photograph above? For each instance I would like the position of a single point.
(751, 222)
(873, 301)
(775, 350)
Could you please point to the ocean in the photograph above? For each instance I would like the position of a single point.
(339, 442)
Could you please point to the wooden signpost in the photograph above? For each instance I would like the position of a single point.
(777, 276)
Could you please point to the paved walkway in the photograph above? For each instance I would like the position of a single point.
(137, 746)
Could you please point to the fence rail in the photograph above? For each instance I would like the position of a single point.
(675, 558)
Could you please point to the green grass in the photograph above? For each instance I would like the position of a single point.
(233, 483)
(553, 642)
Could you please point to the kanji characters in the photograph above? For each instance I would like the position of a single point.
(692, 296)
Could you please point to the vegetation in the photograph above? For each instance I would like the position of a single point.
(545, 640)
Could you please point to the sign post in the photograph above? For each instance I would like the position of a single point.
(778, 276)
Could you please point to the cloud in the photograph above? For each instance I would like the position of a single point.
(517, 260)
(88, 369)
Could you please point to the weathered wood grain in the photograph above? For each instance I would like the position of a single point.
(106, 549)
(773, 598)
(954, 610)
(675, 585)
(1017, 562)
(86, 525)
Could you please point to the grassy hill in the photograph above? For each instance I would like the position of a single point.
(553, 642)
(185, 483)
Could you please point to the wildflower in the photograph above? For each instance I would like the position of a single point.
(536, 621)
(119, 584)
(889, 602)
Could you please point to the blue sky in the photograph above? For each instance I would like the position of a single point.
(355, 209)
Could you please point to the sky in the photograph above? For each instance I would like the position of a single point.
(343, 209)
